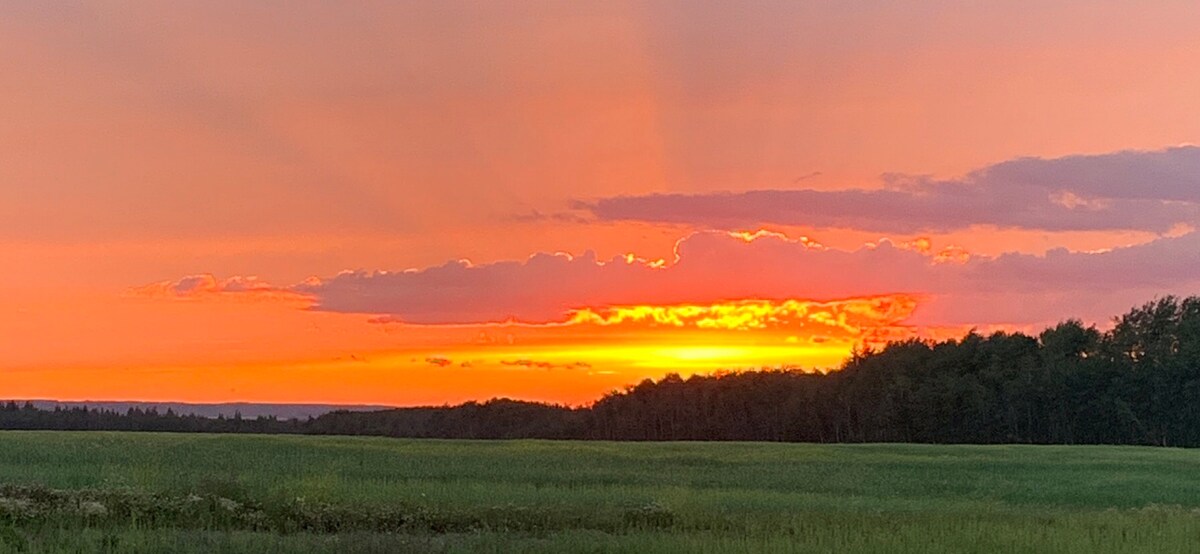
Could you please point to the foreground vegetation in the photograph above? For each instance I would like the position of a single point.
(1138, 383)
(149, 492)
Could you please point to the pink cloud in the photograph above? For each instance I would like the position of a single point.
(714, 267)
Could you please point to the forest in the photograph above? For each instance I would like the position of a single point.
(1137, 383)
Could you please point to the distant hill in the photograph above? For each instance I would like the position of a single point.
(247, 409)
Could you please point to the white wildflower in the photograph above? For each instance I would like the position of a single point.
(228, 505)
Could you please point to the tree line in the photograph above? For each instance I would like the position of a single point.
(1137, 383)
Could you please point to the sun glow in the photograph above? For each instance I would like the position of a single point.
(687, 355)
(274, 348)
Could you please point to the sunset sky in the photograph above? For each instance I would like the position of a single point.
(431, 202)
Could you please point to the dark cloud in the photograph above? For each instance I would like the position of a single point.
(1132, 190)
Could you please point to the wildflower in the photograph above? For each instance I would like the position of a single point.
(91, 508)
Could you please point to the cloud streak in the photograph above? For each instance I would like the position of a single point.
(207, 286)
(1153, 191)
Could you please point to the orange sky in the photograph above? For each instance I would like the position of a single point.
(145, 143)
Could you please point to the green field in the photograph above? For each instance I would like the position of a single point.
(122, 492)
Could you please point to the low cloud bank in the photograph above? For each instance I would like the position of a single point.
(713, 267)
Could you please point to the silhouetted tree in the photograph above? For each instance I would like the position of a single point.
(1138, 383)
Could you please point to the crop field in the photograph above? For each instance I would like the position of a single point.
(126, 492)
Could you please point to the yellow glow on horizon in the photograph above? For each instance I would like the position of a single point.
(271, 350)
(698, 354)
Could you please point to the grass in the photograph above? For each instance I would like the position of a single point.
(242, 493)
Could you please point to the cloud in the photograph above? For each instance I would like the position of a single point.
(1153, 191)
(708, 268)
(208, 286)
(536, 216)
(541, 364)
(712, 268)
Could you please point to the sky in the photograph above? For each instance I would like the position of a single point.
(435, 202)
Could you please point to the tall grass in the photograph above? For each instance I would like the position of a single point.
(366, 494)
